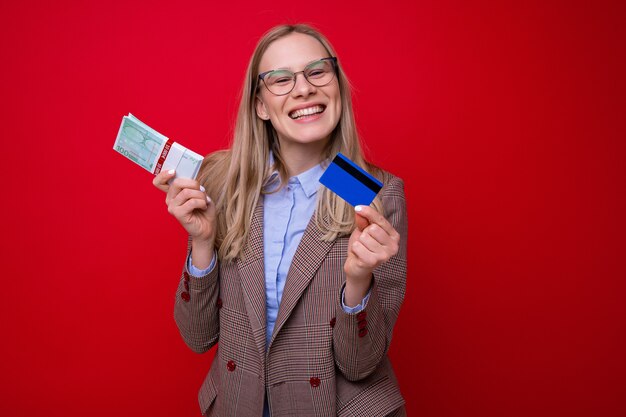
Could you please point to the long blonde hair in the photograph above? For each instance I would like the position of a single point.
(235, 178)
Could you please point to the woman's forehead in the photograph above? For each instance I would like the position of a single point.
(292, 52)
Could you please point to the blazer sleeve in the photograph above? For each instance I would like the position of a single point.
(361, 340)
(196, 309)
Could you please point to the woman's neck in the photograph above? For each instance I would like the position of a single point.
(299, 158)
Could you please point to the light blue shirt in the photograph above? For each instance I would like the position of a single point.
(286, 214)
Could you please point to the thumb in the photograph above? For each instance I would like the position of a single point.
(361, 222)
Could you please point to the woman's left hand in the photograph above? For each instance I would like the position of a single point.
(372, 243)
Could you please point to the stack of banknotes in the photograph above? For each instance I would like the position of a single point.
(153, 151)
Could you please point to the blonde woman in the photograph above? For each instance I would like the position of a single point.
(300, 289)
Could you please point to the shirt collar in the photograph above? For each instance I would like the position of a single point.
(310, 180)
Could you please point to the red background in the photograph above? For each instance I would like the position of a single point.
(506, 121)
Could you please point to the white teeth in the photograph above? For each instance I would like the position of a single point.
(306, 112)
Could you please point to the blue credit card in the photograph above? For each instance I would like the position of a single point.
(350, 181)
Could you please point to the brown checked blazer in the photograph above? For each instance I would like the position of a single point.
(321, 361)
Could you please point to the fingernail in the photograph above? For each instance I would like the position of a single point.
(208, 199)
(171, 172)
(358, 208)
(202, 189)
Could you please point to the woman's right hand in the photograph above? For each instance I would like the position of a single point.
(189, 204)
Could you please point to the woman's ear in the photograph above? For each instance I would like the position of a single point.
(261, 110)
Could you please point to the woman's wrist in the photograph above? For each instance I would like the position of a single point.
(202, 251)
(356, 290)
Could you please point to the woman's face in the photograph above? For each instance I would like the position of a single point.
(290, 114)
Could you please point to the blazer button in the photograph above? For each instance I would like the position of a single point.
(315, 382)
(333, 321)
(231, 365)
(185, 296)
(361, 315)
(363, 332)
(362, 324)
(219, 303)
(185, 276)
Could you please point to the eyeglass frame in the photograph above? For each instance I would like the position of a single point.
(332, 59)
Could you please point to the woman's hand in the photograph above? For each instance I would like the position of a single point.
(189, 204)
(372, 243)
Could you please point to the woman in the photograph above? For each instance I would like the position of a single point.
(301, 290)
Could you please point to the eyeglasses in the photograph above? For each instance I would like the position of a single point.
(318, 73)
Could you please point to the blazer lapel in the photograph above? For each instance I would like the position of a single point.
(252, 273)
(306, 261)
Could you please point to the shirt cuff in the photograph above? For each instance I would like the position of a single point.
(199, 273)
(359, 307)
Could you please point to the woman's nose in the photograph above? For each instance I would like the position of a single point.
(302, 87)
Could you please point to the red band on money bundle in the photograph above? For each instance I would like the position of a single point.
(166, 150)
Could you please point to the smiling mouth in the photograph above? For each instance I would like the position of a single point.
(300, 113)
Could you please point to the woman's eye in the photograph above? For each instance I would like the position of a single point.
(283, 80)
(316, 72)
(280, 78)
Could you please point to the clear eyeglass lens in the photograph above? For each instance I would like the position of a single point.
(318, 73)
(279, 82)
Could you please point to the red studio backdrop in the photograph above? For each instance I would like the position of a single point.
(506, 120)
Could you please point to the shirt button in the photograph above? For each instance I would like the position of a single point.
(231, 365)
(362, 332)
(333, 321)
(185, 296)
(362, 324)
(314, 381)
(186, 283)
(185, 276)
(361, 315)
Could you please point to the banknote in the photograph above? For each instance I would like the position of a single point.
(153, 151)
